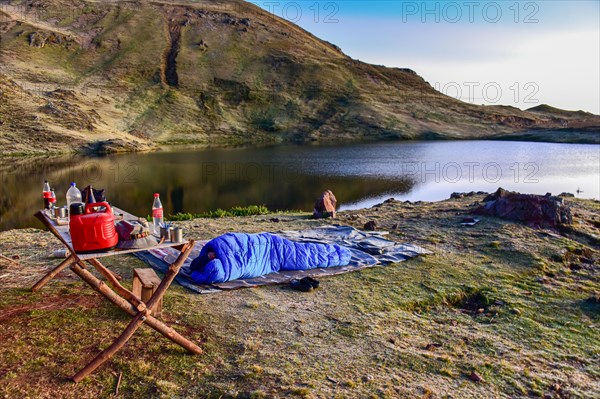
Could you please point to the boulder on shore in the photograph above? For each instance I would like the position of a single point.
(325, 206)
(539, 211)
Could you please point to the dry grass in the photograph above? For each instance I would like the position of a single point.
(500, 299)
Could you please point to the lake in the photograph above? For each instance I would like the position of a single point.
(292, 177)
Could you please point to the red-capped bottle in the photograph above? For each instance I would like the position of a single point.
(157, 213)
(47, 194)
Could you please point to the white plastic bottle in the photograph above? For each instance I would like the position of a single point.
(157, 213)
(73, 195)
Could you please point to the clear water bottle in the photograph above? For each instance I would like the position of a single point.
(52, 198)
(73, 195)
(157, 213)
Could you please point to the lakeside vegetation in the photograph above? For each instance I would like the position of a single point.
(236, 211)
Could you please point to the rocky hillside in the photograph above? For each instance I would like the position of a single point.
(130, 75)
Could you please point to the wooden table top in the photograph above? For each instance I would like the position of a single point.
(60, 228)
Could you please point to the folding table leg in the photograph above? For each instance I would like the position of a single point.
(65, 263)
(127, 307)
(139, 318)
(112, 349)
(110, 276)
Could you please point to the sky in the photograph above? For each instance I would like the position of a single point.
(519, 53)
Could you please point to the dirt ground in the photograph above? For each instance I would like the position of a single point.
(499, 310)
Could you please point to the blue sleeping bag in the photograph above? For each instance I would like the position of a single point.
(240, 255)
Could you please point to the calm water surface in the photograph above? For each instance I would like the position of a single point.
(292, 177)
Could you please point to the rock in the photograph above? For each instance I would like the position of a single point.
(557, 387)
(432, 347)
(37, 39)
(575, 266)
(325, 206)
(534, 210)
(456, 195)
(274, 220)
(475, 377)
(594, 298)
(567, 195)
(370, 226)
(114, 146)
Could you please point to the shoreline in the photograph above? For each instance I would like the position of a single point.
(108, 147)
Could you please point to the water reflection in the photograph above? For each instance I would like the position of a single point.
(292, 177)
(187, 182)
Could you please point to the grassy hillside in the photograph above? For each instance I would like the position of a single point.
(147, 73)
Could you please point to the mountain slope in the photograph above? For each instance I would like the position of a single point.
(147, 73)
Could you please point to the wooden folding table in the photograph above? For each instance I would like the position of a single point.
(119, 295)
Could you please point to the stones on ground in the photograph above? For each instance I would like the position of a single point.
(457, 195)
(325, 206)
(534, 210)
(370, 226)
(432, 347)
(475, 377)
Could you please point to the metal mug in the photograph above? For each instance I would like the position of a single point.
(61, 212)
(164, 233)
(176, 234)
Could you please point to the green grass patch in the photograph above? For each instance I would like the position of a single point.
(236, 211)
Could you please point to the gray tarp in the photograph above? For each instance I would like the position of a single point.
(368, 249)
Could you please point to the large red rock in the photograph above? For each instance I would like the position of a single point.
(325, 206)
(539, 211)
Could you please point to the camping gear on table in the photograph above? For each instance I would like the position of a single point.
(60, 212)
(157, 213)
(240, 255)
(73, 194)
(90, 195)
(134, 234)
(92, 231)
(47, 194)
(52, 198)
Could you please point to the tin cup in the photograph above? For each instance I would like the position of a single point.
(164, 233)
(60, 213)
(176, 234)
